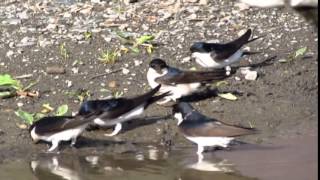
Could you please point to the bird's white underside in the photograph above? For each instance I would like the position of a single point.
(177, 91)
(205, 141)
(66, 135)
(205, 60)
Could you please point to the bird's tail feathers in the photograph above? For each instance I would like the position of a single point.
(158, 97)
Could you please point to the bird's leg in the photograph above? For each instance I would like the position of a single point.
(200, 150)
(200, 158)
(116, 130)
(54, 145)
(73, 141)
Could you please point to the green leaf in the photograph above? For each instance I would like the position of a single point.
(123, 35)
(149, 49)
(7, 80)
(143, 39)
(25, 116)
(62, 110)
(221, 83)
(38, 116)
(87, 35)
(228, 96)
(300, 52)
(135, 50)
(5, 94)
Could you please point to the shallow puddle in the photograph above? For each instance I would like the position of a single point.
(153, 164)
(294, 160)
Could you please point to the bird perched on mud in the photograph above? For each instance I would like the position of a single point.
(58, 128)
(181, 83)
(215, 55)
(205, 131)
(110, 112)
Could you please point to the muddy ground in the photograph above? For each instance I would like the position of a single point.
(281, 103)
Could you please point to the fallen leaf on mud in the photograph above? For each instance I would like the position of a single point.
(143, 39)
(228, 96)
(62, 110)
(221, 83)
(22, 126)
(300, 52)
(113, 84)
(47, 108)
(25, 116)
(7, 80)
(6, 94)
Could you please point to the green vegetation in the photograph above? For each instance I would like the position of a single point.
(110, 57)
(87, 35)
(30, 118)
(135, 44)
(63, 51)
(298, 53)
(11, 87)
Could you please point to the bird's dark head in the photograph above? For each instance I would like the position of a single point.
(198, 47)
(182, 107)
(158, 65)
(181, 110)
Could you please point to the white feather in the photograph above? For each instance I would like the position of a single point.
(205, 60)
(179, 117)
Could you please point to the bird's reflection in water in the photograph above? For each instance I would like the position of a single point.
(150, 162)
(55, 167)
(215, 165)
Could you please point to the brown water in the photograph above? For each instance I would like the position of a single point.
(294, 159)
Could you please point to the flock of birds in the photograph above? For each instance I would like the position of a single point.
(168, 84)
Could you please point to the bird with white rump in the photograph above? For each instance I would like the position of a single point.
(181, 83)
(55, 129)
(115, 111)
(220, 55)
(205, 131)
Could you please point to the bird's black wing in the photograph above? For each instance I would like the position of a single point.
(54, 124)
(186, 77)
(213, 128)
(113, 108)
(224, 51)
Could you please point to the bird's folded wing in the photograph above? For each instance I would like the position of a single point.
(214, 129)
(224, 51)
(54, 124)
(187, 77)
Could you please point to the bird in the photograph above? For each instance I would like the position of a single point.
(179, 82)
(55, 129)
(113, 112)
(206, 131)
(218, 55)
